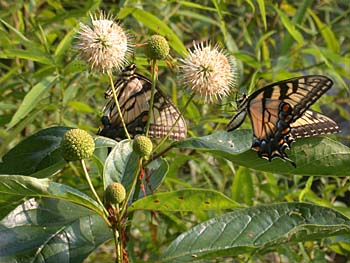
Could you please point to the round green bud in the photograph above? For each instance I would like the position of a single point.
(77, 145)
(142, 146)
(114, 193)
(157, 47)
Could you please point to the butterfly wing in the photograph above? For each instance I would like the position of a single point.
(274, 108)
(312, 124)
(134, 94)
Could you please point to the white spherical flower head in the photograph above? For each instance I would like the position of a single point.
(104, 45)
(209, 72)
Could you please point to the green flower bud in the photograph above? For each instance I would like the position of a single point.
(157, 47)
(114, 193)
(142, 146)
(77, 145)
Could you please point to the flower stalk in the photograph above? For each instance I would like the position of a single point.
(153, 88)
(87, 177)
(111, 81)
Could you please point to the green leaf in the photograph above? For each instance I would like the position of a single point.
(64, 45)
(327, 33)
(30, 54)
(31, 99)
(158, 26)
(122, 165)
(261, 4)
(26, 186)
(290, 27)
(252, 229)
(35, 153)
(82, 107)
(242, 186)
(23, 39)
(185, 200)
(313, 156)
(297, 20)
(51, 231)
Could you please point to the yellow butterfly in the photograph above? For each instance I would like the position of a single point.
(279, 114)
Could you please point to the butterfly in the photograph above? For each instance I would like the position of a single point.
(134, 93)
(279, 114)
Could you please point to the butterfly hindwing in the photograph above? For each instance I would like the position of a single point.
(134, 94)
(313, 123)
(278, 114)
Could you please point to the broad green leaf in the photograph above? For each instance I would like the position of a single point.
(101, 142)
(51, 230)
(252, 229)
(327, 33)
(185, 200)
(122, 166)
(290, 26)
(31, 99)
(26, 186)
(30, 54)
(313, 156)
(158, 26)
(35, 153)
(242, 186)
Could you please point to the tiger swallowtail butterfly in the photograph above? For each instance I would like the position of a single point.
(279, 114)
(134, 93)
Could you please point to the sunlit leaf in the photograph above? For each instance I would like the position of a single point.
(313, 156)
(251, 229)
(185, 200)
(158, 26)
(31, 100)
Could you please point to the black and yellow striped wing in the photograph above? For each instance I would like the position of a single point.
(312, 123)
(278, 114)
(134, 94)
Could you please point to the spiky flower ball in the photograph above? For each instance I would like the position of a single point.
(114, 194)
(157, 47)
(209, 71)
(77, 145)
(142, 146)
(104, 45)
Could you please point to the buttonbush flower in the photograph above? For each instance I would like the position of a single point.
(157, 47)
(104, 45)
(77, 145)
(209, 72)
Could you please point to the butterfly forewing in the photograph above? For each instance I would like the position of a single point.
(134, 93)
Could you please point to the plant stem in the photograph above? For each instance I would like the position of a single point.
(117, 104)
(136, 186)
(177, 120)
(154, 82)
(93, 190)
(133, 184)
(118, 241)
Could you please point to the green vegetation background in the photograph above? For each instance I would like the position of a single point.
(42, 84)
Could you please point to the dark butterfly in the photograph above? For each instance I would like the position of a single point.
(279, 114)
(134, 94)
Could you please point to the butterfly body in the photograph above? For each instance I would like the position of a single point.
(134, 93)
(279, 114)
